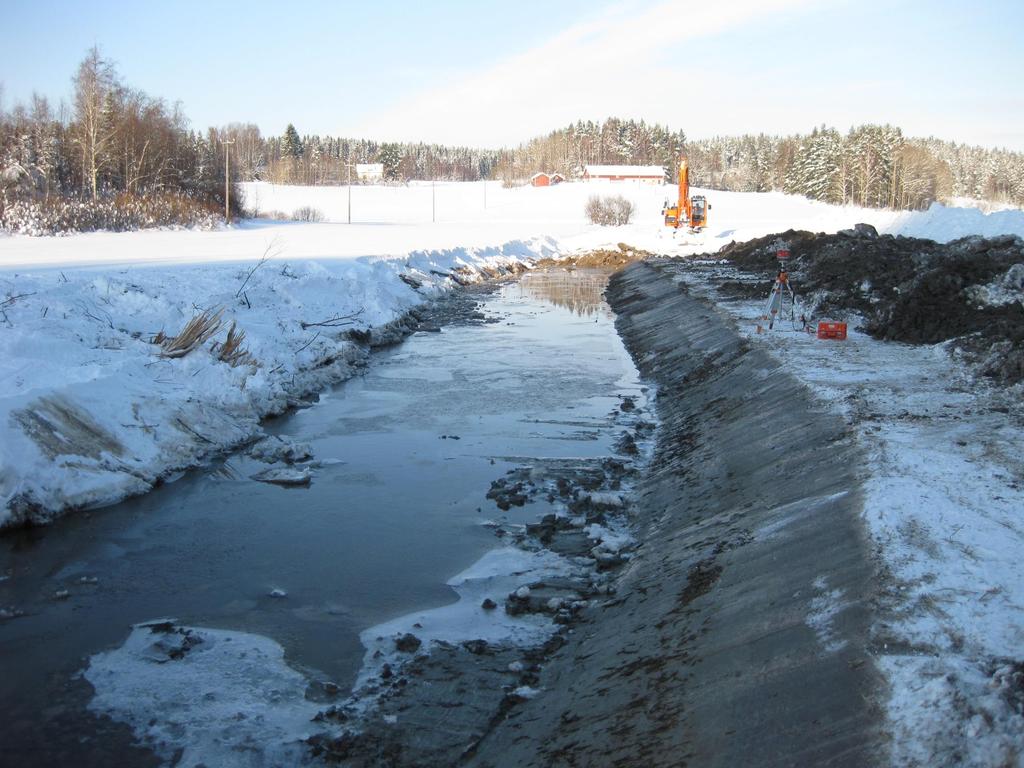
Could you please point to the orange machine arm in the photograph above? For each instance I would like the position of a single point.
(684, 192)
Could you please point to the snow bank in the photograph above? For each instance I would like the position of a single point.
(92, 411)
(944, 224)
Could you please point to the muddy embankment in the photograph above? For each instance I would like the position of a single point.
(739, 634)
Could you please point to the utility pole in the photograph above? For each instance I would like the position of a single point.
(227, 182)
(349, 166)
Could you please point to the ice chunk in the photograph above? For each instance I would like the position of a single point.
(290, 476)
(222, 698)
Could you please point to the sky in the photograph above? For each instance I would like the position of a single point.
(491, 75)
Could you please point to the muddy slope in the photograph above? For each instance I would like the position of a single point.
(739, 633)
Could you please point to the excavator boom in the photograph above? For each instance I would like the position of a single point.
(684, 189)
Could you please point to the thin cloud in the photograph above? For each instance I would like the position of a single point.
(614, 64)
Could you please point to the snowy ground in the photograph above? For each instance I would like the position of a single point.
(944, 490)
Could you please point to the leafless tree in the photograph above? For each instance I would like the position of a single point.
(94, 128)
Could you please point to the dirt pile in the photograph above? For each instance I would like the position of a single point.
(602, 257)
(909, 289)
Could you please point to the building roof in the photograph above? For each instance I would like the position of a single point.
(625, 170)
(539, 174)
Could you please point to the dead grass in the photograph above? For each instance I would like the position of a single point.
(231, 351)
(61, 428)
(196, 332)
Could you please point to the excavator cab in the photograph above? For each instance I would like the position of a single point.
(671, 214)
(698, 213)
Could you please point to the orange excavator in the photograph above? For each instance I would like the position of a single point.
(689, 212)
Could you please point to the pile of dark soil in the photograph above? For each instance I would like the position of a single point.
(909, 289)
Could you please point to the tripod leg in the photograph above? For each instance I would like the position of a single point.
(768, 306)
(775, 304)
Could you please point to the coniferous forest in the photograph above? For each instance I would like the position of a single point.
(118, 158)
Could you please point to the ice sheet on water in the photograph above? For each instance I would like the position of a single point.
(222, 698)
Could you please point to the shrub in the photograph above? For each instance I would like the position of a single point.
(609, 211)
(307, 213)
(60, 215)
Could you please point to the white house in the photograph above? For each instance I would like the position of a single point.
(370, 171)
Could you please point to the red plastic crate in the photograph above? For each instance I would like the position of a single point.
(835, 331)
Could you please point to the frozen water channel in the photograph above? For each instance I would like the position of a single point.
(409, 450)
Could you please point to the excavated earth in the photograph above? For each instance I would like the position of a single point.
(969, 291)
(606, 258)
(718, 648)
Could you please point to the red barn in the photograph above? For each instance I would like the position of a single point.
(541, 180)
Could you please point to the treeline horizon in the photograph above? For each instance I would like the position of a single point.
(870, 165)
(115, 142)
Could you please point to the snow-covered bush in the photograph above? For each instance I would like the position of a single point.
(609, 211)
(307, 213)
(59, 215)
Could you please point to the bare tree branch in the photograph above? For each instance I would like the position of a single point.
(272, 251)
(315, 337)
(105, 320)
(334, 322)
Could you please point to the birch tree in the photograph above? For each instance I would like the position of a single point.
(94, 129)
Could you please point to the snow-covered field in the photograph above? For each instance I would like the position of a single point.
(91, 411)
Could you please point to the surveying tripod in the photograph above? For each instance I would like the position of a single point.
(781, 293)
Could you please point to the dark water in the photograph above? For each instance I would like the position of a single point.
(375, 536)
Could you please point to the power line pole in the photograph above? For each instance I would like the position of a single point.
(227, 182)
(349, 166)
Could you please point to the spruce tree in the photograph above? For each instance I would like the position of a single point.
(291, 144)
(390, 155)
